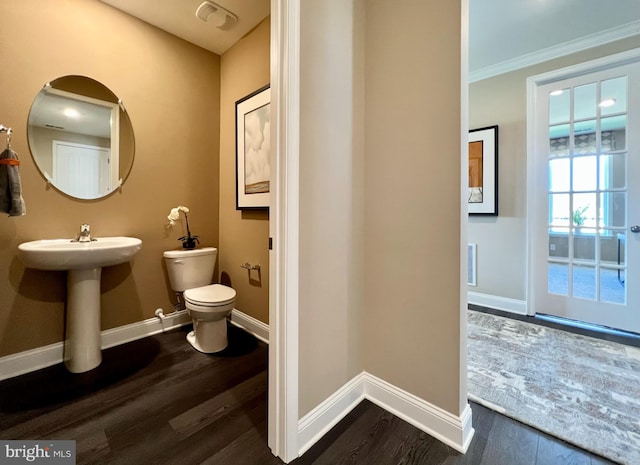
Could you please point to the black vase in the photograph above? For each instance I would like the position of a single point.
(189, 243)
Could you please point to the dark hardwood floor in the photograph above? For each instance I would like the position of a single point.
(158, 401)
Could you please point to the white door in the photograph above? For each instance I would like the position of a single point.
(81, 170)
(587, 198)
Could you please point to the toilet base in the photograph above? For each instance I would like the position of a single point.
(209, 336)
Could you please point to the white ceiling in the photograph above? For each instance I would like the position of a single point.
(178, 17)
(507, 34)
(503, 34)
(48, 111)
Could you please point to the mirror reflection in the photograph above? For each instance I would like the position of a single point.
(81, 137)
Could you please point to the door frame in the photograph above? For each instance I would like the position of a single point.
(283, 230)
(283, 385)
(534, 184)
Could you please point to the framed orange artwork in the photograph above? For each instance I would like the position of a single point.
(483, 171)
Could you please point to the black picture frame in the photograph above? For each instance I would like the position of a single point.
(483, 171)
(253, 150)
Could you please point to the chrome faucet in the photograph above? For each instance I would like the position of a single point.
(85, 234)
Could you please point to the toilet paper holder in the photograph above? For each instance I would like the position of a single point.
(249, 266)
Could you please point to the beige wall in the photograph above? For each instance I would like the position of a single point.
(244, 235)
(331, 198)
(501, 100)
(373, 185)
(171, 91)
(412, 192)
(379, 180)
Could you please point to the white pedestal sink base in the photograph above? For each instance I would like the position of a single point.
(82, 345)
(83, 262)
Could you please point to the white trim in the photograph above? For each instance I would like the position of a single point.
(499, 303)
(557, 51)
(464, 215)
(250, 324)
(30, 360)
(455, 431)
(599, 64)
(150, 326)
(42, 357)
(325, 416)
(283, 229)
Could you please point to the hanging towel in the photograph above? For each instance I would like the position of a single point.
(11, 201)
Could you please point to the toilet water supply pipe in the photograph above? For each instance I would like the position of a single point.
(177, 307)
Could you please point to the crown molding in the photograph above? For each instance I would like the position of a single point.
(567, 48)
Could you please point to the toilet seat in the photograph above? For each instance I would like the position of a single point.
(213, 295)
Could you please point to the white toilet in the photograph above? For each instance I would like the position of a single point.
(191, 272)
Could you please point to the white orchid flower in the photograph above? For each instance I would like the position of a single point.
(174, 215)
(188, 241)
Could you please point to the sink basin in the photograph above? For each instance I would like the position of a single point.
(83, 262)
(62, 254)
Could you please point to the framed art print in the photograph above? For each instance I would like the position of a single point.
(483, 171)
(253, 149)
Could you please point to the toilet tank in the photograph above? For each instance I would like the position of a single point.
(190, 268)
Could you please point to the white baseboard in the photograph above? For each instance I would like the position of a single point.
(150, 326)
(325, 416)
(498, 303)
(42, 357)
(251, 325)
(452, 430)
(30, 360)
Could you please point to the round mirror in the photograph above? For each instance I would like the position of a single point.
(81, 137)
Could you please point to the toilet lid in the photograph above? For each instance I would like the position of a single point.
(211, 295)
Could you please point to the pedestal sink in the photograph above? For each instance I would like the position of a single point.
(83, 262)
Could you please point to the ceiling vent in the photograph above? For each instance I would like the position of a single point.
(217, 15)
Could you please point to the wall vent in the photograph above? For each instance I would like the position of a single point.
(471, 265)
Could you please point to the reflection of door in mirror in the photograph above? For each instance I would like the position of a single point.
(71, 121)
(80, 137)
(80, 170)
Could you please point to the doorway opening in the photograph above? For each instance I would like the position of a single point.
(582, 192)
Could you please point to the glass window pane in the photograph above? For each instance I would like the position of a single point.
(559, 105)
(558, 278)
(559, 140)
(559, 175)
(559, 242)
(584, 244)
(584, 98)
(584, 210)
(559, 209)
(612, 287)
(614, 133)
(613, 209)
(584, 139)
(612, 248)
(584, 282)
(613, 91)
(585, 173)
(612, 171)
